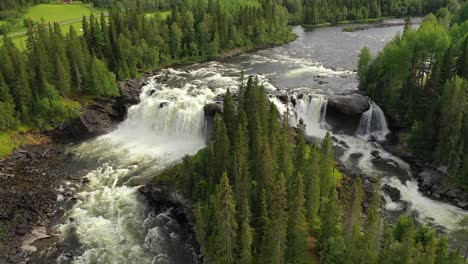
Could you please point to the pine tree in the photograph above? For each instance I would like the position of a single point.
(223, 239)
(352, 226)
(284, 155)
(241, 162)
(274, 245)
(297, 225)
(312, 185)
(219, 162)
(229, 114)
(299, 156)
(246, 235)
(327, 166)
(372, 235)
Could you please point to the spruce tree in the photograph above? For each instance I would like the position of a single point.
(246, 235)
(229, 115)
(327, 166)
(352, 225)
(312, 185)
(274, 244)
(223, 239)
(297, 224)
(372, 234)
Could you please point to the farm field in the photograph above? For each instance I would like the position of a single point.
(65, 14)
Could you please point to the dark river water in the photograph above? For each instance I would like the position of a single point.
(112, 223)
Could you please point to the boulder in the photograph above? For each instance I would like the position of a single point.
(430, 177)
(344, 112)
(212, 109)
(131, 89)
(349, 105)
(100, 117)
(356, 156)
(392, 192)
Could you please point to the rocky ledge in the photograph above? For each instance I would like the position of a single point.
(37, 182)
(31, 180)
(433, 182)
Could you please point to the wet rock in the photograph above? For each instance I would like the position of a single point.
(390, 168)
(392, 192)
(344, 112)
(131, 89)
(356, 156)
(462, 204)
(349, 105)
(283, 98)
(212, 109)
(100, 117)
(163, 104)
(454, 193)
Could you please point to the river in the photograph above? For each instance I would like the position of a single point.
(112, 223)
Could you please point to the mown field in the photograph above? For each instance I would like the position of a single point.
(66, 14)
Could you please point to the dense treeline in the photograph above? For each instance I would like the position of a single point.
(35, 84)
(420, 78)
(331, 11)
(262, 195)
(119, 46)
(147, 5)
(131, 41)
(19, 4)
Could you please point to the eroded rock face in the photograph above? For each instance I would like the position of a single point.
(349, 105)
(210, 112)
(100, 117)
(344, 112)
(131, 89)
(392, 192)
(435, 183)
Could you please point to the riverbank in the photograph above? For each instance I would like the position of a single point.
(433, 181)
(347, 22)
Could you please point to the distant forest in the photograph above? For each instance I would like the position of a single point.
(39, 84)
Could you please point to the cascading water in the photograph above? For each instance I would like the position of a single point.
(312, 110)
(110, 220)
(373, 124)
(373, 160)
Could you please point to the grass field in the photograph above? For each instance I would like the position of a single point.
(20, 41)
(58, 12)
(66, 14)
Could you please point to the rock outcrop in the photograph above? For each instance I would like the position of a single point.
(344, 112)
(348, 105)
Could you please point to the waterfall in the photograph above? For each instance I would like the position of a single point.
(111, 221)
(373, 124)
(312, 109)
(167, 121)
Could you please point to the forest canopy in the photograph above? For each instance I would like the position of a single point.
(421, 80)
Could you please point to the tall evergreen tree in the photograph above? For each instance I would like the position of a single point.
(297, 224)
(223, 239)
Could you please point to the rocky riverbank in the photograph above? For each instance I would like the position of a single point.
(433, 182)
(37, 183)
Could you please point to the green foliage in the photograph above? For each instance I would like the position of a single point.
(363, 66)
(420, 80)
(328, 11)
(221, 243)
(279, 207)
